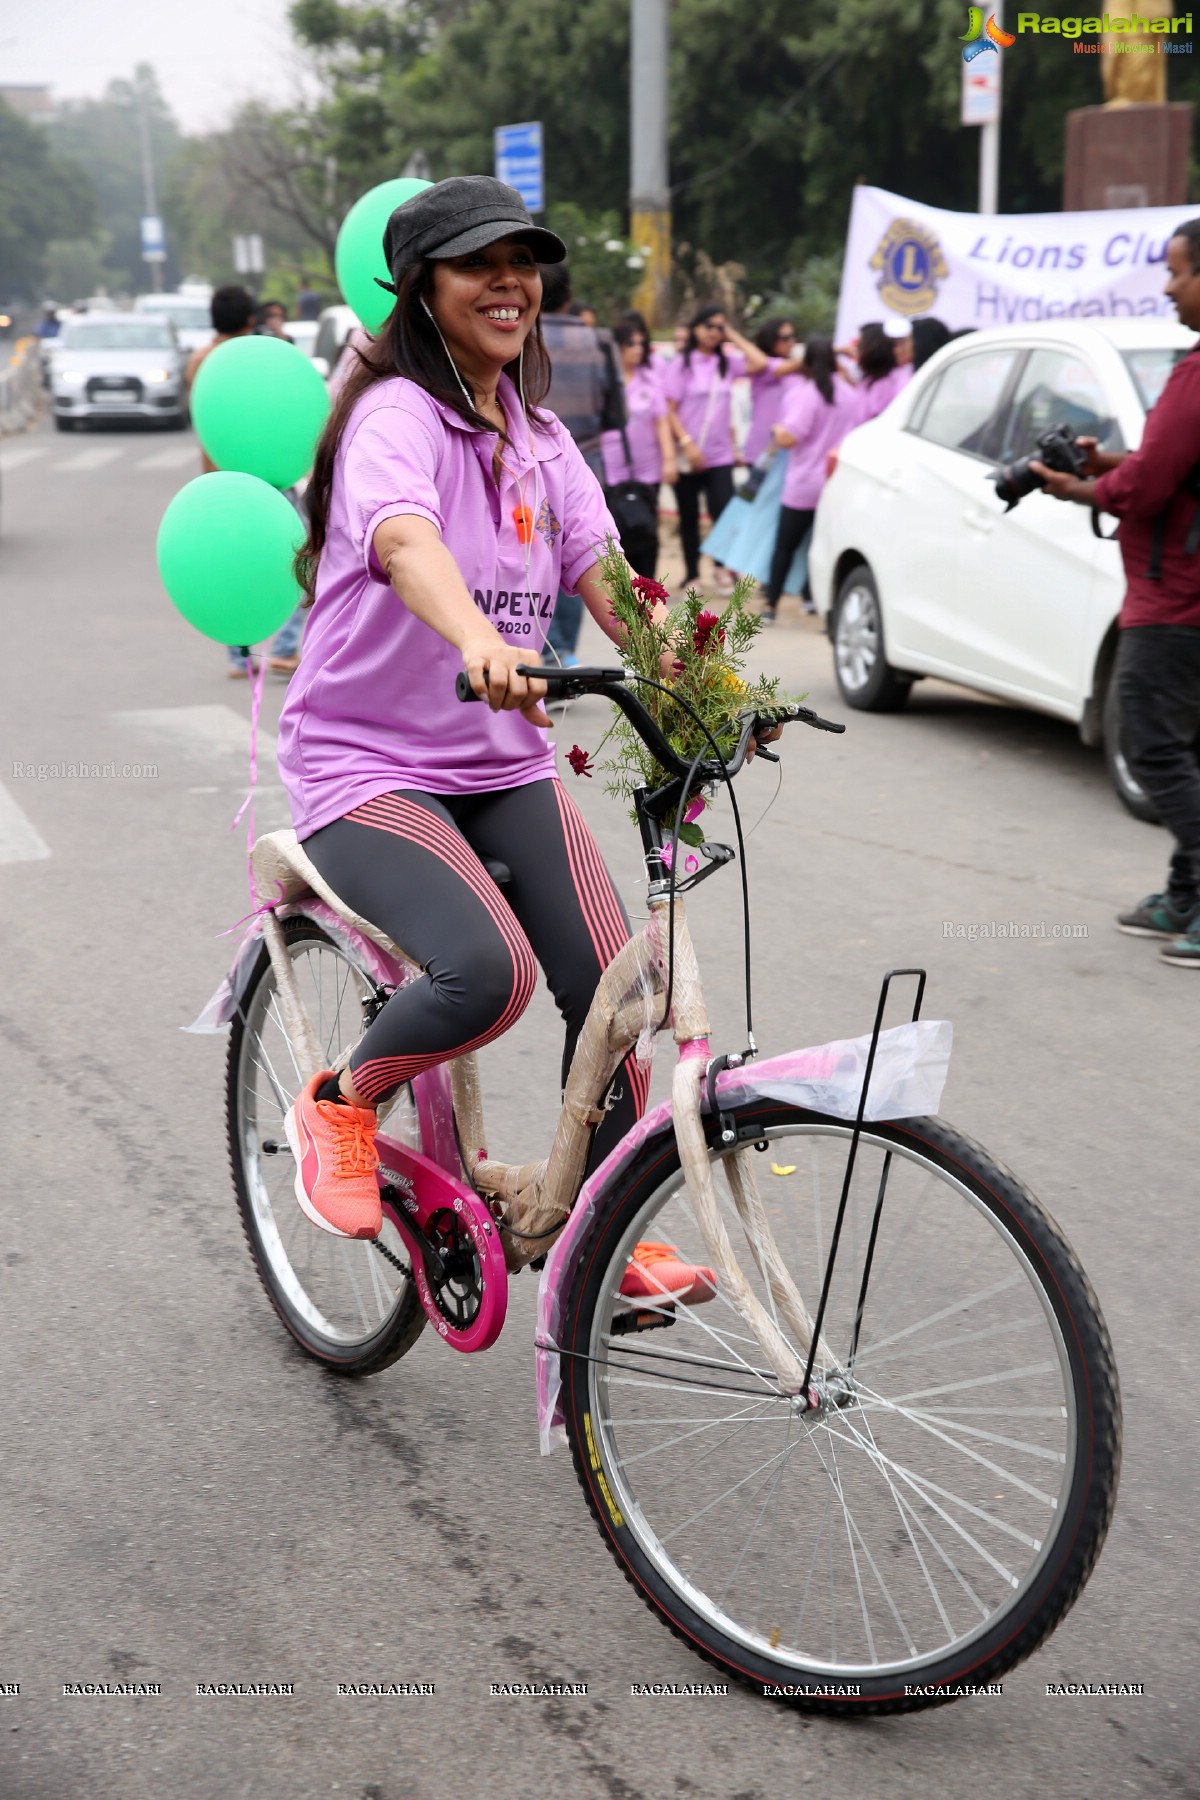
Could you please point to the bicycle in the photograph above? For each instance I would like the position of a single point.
(868, 1508)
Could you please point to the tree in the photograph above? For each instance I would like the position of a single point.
(104, 137)
(775, 111)
(42, 196)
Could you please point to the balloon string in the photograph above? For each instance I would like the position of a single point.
(247, 805)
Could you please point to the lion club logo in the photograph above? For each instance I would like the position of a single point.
(910, 264)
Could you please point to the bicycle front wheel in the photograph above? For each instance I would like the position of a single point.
(929, 1525)
(351, 1303)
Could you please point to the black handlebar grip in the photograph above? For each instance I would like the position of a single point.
(462, 686)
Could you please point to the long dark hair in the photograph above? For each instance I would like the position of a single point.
(630, 327)
(821, 364)
(407, 344)
(701, 318)
(876, 352)
(768, 332)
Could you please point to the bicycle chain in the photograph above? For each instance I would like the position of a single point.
(393, 1259)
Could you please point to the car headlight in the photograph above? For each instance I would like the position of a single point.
(158, 375)
(70, 377)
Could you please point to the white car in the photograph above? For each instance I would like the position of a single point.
(117, 366)
(918, 569)
(188, 312)
(336, 324)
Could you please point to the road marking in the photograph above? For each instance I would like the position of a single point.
(86, 459)
(19, 842)
(16, 459)
(200, 731)
(174, 458)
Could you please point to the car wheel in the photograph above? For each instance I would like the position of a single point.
(865, 678)
(1130, 792)
(63, 424)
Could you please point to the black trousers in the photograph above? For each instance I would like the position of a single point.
(413, 863)
(794, 524)
(1158, 681)
(717, 487)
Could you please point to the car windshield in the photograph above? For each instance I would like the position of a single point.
(1150, 369)
(119, 334)
(185, 315)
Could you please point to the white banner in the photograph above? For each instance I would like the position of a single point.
(968, 269)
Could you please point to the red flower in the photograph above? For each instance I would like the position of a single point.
(649, 591)
(678, 667)
(702, 638)
(579, 760)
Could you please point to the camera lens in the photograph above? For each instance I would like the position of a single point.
(1015, 480)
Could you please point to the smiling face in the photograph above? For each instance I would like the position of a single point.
(485, 304)
(1183, 283)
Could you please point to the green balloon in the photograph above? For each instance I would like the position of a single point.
(225, 549)
(258, 406)
(358, 257)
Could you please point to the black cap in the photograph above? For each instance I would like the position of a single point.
(464, 213)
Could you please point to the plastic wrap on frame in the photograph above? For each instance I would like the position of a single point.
(911, 1064)
(216, 1015)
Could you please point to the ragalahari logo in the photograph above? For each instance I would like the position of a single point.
(979, 37)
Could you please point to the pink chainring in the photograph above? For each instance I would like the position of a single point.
(421, 1188)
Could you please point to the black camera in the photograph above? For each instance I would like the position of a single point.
(1056, 448)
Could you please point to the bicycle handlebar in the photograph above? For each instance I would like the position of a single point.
(574, 683)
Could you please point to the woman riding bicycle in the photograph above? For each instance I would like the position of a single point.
(446, 508)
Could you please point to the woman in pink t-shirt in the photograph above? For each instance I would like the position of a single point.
(769, 387)
(699, 386)
(446, 508)
(885, 365)
(818, 412)
(642, 456)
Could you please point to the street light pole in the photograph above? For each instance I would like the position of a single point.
(149, 197)
(989, 136)
(649, 189)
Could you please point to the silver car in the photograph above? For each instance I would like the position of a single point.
(117, 366)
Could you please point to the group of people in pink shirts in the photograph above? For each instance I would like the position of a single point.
(804, 400)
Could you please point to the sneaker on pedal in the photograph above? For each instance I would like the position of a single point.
(333, 1143)
(657, 1272)
(1158, 916)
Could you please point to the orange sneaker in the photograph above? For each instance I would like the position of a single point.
(656, 1272)
(334, 1147)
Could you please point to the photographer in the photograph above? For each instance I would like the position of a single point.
(1155, 493)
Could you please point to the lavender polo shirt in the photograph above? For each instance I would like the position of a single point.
(818, 427)
(702, 396)
(645, 404)
(767, 395)
(870, 397)
(372, 705)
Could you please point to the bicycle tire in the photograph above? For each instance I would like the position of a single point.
(998, 1203)
(379, 1342)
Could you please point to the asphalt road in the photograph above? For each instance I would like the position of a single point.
(187, 1499)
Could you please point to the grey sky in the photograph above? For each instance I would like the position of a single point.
(209, 54)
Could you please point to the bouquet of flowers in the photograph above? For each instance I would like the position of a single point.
(694, 653)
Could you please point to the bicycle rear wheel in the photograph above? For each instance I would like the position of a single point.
(929, 1527)
(351, 1303)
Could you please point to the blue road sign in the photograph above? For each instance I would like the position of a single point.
(519, 161)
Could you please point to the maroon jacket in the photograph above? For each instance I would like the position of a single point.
(1149, 482)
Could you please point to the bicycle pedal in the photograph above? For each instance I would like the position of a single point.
(627, 1322)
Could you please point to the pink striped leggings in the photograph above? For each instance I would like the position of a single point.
(413, 864)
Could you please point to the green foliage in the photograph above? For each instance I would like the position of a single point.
(104, 137)
(775, 112)
(42, 197)
(807, 295)
(697, 654)
(605, 265)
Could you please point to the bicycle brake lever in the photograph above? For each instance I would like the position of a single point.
(767, 755)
